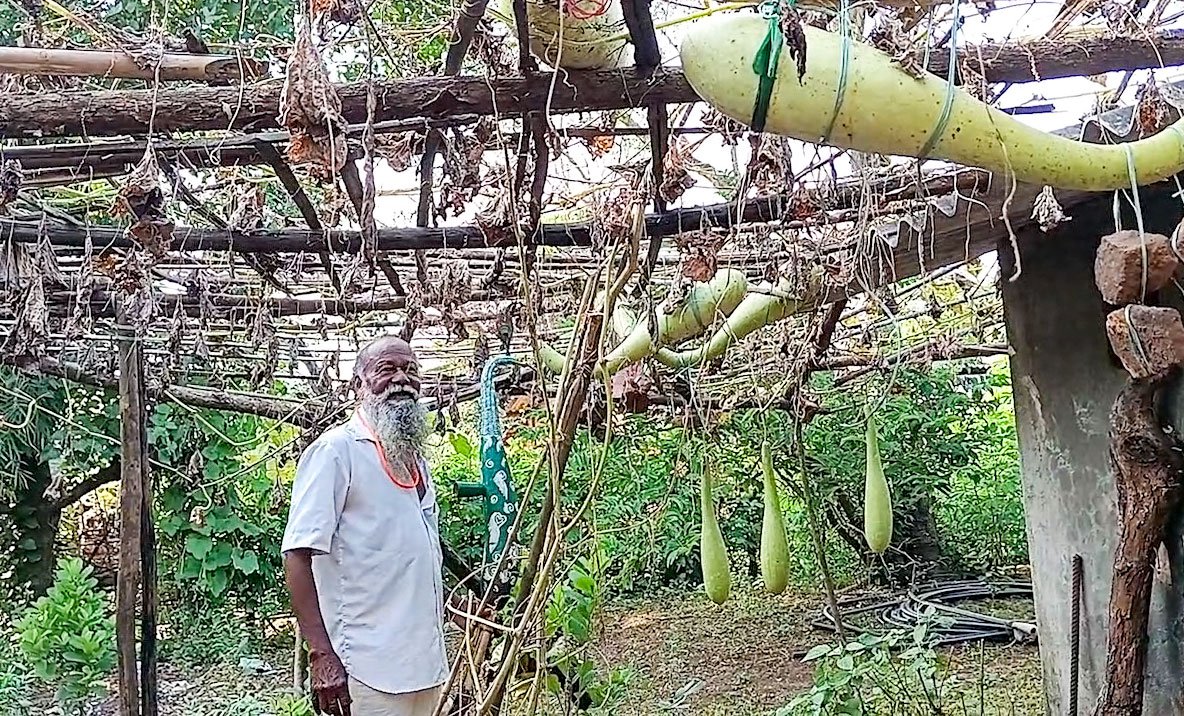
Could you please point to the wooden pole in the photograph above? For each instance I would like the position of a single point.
(120, 65)
(117, 112)
(131, 507)
(1146, 463)
(148, 686)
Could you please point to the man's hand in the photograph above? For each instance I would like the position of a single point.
(330, 684)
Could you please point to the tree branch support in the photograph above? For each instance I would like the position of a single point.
(1147, 469)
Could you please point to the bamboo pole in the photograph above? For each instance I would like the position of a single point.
(439, 99)
(118, 64)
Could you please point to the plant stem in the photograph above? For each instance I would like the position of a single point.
(815, 530)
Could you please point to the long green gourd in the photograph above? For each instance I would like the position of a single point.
(713, 553)
(768, 304)
(877, 501)
(774, 544)
(704, 303)
(876, 106)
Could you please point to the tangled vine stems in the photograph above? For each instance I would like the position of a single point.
(575, 380)
(744, 309)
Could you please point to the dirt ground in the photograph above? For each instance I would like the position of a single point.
(680, 655)
(689, 656)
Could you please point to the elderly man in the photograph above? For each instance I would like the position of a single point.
(362, 553)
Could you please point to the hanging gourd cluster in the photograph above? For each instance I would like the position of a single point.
(774, 547)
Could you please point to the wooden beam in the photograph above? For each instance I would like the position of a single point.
(297, 240)
(303, 413)
(120, 65)
(116, 112)
(131, 506)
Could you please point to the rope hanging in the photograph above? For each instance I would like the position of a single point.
(844, 64)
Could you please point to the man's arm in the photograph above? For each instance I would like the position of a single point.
(318, 498)
(303, 591)
(330, 683)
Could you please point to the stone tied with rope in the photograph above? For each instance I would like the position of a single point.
(1129, 267)
(1127, 264)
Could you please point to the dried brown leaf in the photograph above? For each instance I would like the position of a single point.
(10, 182)
(310, 109)
(631, 387)
(1152, 111)
(1047, 211)
(675, 177)
(795, 36)
(728, 129)
(141, 198)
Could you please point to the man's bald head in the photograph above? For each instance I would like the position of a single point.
(386, 363)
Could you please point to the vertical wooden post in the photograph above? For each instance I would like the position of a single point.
(298, 661)
(131, 508)
(148, 692)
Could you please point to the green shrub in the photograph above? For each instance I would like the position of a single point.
(67, 636)
(895, 673)
(949, 445)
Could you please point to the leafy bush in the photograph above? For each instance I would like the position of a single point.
(949, 446)
(895, 673)
(67, 637)
(947, 437)
(222, 517)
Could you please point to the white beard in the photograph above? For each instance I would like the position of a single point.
(400, 423)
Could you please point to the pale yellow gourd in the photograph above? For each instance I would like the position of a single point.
(877, 501)
(885, 110)
(713, 553)
(568, 41)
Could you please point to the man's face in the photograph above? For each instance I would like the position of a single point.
(390, 364)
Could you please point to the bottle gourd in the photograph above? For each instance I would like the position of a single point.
(713, 553)
(774, 545)
(877, 503)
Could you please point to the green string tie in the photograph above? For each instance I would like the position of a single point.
(943, 120)
(768, 55)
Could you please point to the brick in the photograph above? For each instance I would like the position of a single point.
(1160, 335)
(1118, 266)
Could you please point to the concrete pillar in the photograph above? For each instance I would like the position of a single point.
(1065, 380)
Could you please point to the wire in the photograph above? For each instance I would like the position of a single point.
(913, 608)
(586, 9)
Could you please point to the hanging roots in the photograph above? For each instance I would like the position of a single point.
(311, 110)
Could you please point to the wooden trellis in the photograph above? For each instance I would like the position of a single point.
(311, 294)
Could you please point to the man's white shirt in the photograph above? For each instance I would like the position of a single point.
(377, 560)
